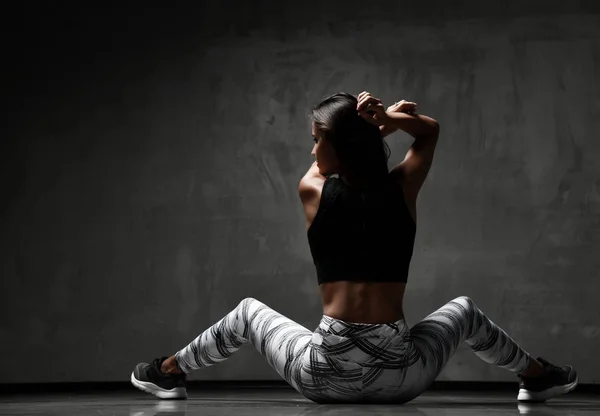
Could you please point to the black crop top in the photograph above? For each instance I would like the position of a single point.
(362, 235)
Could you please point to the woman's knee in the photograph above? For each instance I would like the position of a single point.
(249, 304)
(466, 302)
(248, 300)
(243, 313)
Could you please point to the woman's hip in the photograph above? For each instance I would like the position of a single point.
(352, 362)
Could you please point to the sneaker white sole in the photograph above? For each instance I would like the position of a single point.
(176, 393)
(540, 396)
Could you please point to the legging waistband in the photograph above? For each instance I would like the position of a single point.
(329, 325)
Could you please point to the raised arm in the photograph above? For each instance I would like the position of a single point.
(416, 164)
(413, 170)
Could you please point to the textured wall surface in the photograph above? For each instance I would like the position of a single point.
(150, 164)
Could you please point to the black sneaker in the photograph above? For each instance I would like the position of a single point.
(149, 378)
(556, 381)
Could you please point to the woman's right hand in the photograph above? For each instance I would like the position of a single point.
(371, 109)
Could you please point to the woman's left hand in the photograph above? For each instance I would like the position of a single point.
(403, 106)
(371, 109)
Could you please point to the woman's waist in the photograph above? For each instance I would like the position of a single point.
(363, 302)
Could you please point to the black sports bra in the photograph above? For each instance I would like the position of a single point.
(362, 234)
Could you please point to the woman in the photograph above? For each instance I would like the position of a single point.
(361, 222)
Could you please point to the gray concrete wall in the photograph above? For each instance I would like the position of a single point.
(150, 163)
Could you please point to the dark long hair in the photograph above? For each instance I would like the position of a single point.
(359, 146)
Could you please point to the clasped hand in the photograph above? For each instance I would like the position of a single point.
(371, 109)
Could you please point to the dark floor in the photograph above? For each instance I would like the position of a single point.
(284, 402)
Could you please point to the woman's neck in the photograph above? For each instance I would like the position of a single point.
(355, 181)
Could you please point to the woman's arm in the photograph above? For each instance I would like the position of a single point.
(387, 129)
(416, 164)
(416, 125)
(402, 116)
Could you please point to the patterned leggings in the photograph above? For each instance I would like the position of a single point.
(342, 362)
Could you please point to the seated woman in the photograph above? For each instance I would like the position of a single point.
(361, 222)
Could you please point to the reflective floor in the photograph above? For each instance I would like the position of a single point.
(286, 403)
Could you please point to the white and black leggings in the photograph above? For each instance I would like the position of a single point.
(342, 362)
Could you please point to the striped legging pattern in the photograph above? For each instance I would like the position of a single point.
(342, 362)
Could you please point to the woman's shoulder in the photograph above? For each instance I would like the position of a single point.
(310, 187)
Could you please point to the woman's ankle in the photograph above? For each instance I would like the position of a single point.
(535, 369)
(169, 366)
